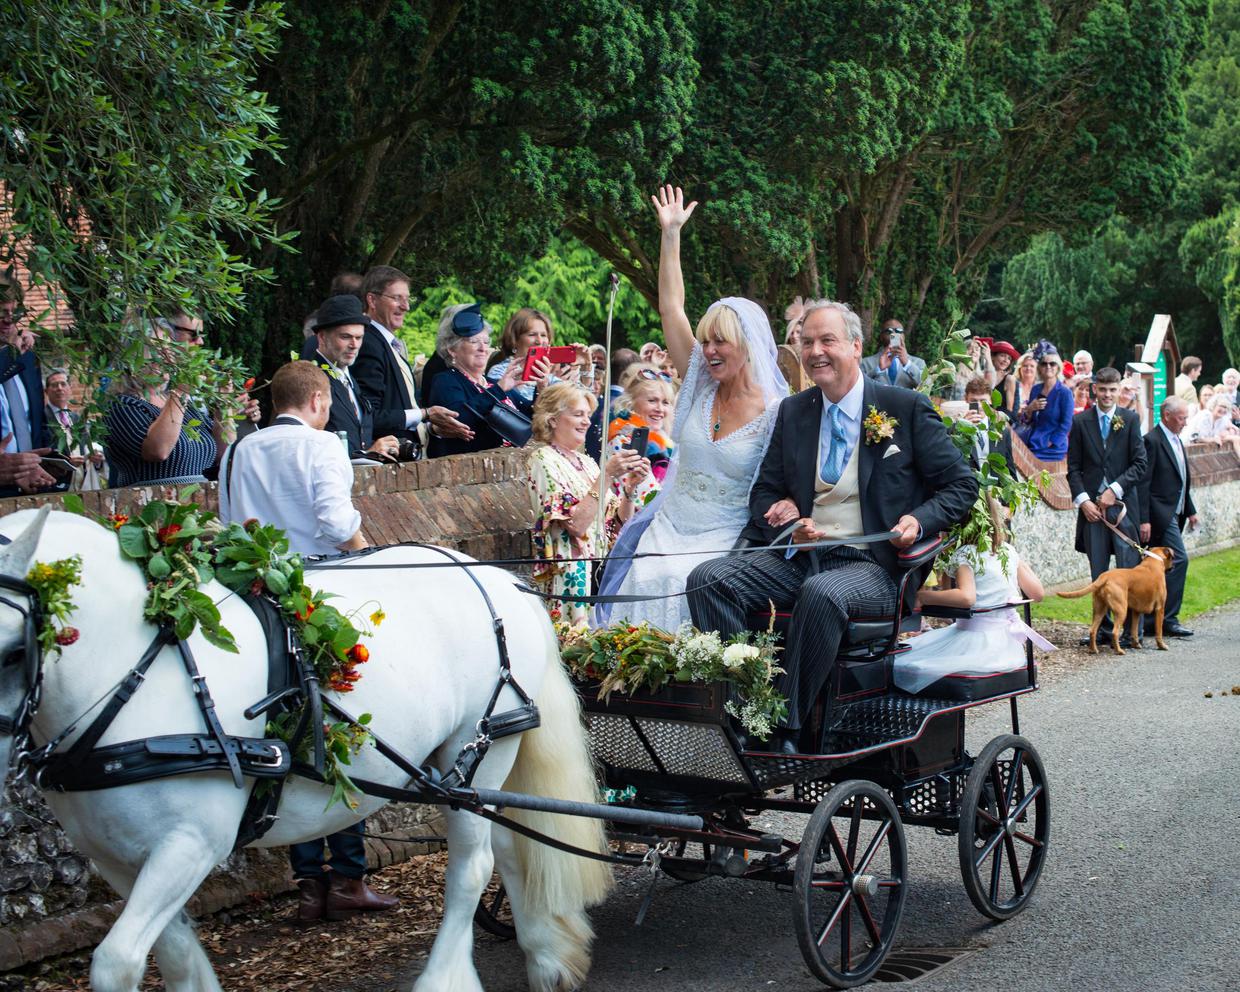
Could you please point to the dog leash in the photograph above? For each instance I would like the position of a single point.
(1114, 528)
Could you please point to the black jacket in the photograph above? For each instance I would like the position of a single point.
(379, 378)
(926, 477)
(27, 370)
(343, 417)
(452, 390)
(1160, 486)
(1120, 460)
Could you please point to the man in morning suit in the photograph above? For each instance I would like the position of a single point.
(838, 478)
(383, 371)
(1106, 461)
(339, 326)
(1166, 503)
(23, 424)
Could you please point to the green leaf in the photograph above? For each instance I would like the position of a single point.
(73, 503)
(157, 566)
(276, 581)
(133, 541)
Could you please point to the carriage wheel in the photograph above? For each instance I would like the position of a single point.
(494, 914)
(1005, 826)
(850, 882)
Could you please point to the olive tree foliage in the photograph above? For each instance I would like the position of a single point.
(885, 151)
(127, 137)
(446, 137)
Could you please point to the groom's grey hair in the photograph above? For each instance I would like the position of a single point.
(852, 322)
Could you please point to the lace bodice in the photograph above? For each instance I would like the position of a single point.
(711, 489)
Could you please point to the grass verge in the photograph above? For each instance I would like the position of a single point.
(1213, 580)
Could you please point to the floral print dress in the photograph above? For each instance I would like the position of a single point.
(557, 484)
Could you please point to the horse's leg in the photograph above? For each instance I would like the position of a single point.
(170, 875)
(451, 964)
(183, 964)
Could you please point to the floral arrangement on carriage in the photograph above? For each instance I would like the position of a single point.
(629, 658)
(180, 546)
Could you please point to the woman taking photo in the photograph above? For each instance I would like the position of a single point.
(724, 416)
(646, 403)
(1045, 420)
(465, 388)
(527, 328)
(1020, 386)
(564, 490)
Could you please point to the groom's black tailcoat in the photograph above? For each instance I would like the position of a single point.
(917, 471)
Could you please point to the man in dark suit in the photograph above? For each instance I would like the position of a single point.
(23, 423)
(838, 476)
(1106, 461)
(383, 371)
(338, 331)
(1166, 504)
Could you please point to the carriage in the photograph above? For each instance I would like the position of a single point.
(883, 760)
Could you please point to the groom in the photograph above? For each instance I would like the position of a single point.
(848, 457)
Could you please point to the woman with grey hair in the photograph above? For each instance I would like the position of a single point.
(464, 344)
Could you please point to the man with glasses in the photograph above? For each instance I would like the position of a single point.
(383, 370)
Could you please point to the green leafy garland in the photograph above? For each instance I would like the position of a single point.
(627, 658)
(180, 546)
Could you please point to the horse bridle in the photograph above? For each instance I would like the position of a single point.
(30, 655)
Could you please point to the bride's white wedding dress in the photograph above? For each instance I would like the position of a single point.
(705, 512)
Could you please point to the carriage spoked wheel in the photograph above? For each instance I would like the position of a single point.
(1005, 826)
(850, 883)
(494, 914)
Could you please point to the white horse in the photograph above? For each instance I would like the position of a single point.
(433, 665)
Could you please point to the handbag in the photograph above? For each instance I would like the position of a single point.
(508, 422)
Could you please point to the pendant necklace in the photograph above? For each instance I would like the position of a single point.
(719, 412)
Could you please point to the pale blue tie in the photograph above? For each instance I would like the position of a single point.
(1106, 427)
(833, 463)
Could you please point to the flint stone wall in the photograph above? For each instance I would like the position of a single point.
(52, 902)
(1045, 535)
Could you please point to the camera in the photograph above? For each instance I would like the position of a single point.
(409, 450)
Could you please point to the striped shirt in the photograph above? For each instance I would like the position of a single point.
(129, 419)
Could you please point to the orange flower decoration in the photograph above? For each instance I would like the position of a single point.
(359, 653)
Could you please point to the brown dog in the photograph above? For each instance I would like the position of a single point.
(1130, 593)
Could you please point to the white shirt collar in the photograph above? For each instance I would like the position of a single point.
(1171, 435)
(292, 416)
(388, 336)
(1109, 413)
(850, 405)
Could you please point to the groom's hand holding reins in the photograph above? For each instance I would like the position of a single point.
(906, 531)
(781, 514)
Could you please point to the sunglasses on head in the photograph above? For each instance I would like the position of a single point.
(653, 374)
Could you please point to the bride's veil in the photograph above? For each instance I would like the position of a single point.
(763, 369)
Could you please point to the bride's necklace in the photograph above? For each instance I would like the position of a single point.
(720, 413)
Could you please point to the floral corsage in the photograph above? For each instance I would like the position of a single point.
(1117, 422)
(879, 426)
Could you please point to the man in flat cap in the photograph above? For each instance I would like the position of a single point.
(339, 328)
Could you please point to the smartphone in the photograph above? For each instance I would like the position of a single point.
(56, 467)
(975, 405)
(894, 340)
(559, 355)
(638, 440)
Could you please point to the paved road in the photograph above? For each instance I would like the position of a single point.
(1141, 889)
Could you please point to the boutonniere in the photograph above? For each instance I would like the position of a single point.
(332, 371)
(879, 426)
(1117, 422)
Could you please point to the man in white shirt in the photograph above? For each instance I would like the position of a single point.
(297, 476)
(294, 474)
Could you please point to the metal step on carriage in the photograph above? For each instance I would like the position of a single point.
(884, 760)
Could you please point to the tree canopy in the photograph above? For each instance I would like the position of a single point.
(128, 134)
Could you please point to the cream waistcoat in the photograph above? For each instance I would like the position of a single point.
(837, 509)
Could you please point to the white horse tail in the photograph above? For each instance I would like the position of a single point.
(557, 887)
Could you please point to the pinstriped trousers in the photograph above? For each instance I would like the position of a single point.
(842, 583)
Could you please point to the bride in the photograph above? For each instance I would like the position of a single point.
(723, 419)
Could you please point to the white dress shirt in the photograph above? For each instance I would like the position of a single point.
(1115, 487)
(414, 416)
(1177, 449)
(296, 478)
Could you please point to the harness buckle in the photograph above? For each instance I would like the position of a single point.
(274, 762)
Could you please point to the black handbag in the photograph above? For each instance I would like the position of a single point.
(507, 421)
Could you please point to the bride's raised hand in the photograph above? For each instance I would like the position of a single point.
(669, 207)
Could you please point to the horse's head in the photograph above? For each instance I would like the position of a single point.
(19, 646)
